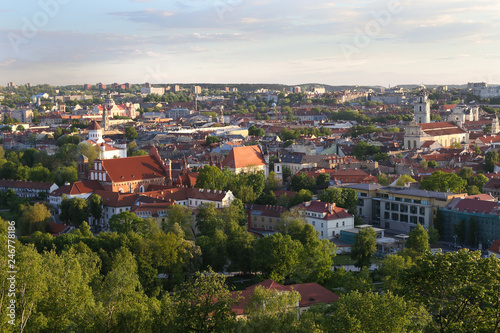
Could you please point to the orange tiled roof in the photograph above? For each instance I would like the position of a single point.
(441, 128)
(133, 168)
(241, 157)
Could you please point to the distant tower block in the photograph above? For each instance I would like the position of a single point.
(422, 109)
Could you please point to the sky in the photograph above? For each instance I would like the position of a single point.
(356, 42)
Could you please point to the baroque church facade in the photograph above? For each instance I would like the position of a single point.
(422, 131)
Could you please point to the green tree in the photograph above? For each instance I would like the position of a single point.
(364, 247)
(33, 218)
(373, 313)
(68, 304)
(302, 196)
(211, 139)
(211, 177)
(95, 204)
(383, 179)
(460, 289)
(287, 173)
(74, 211)
(181, 215)
(90, 151)
(273, 182)
(391, 270)
(443, 182)
(276, 256)
(124, 305)
(214, 250)
(64, 174)
(418, 240)
(322, 178)
(491, 159)
(204, 304)
(131, 133)
(404, 179)
(433, 235)
(270, 310)
(432, 164)
(126, 221)
(38, 173)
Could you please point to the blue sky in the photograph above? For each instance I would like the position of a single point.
(255, 41)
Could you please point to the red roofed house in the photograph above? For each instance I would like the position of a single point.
(80, 189)
(26, 189)
(247, 158)
(132, 174)
(492, 187)
(326, 218)
(310, 294)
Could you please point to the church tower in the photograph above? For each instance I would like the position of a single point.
(107, 106)
(95, 132)
(422, 109)
(495, 126)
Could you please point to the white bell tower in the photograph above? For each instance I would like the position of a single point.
(422, 109)
(495, 126)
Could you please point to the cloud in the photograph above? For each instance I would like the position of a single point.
(7, 62)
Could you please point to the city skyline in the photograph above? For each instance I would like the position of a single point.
(383, 43)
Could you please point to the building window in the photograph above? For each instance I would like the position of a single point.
(421, 220)
(321, 224)
(422, 210)
(343, 223)
(395, 216)
(387, 206)
(337, 224)
(322, 234)
(413, 209)
(313, 223)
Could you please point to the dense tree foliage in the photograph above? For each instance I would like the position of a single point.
(365, 245)
(444, 182)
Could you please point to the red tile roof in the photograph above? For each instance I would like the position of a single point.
(241, 157)
(310, 294)
(117, 199)
(313, 293)
(79, 187)
(133, 168)
(475, 206)
(332, 211)
(441, 128)
(495, 247)
(25, 184)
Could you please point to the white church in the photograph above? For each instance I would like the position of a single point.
(421, 131)
(108, 148)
